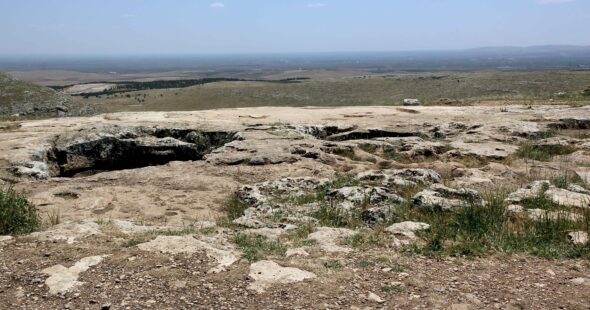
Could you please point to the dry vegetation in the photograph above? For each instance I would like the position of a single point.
(452, 88)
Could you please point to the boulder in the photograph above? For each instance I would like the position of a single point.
(578, 237)
(378, 215)
(567, 198)
(407, 229)
(440, 197)
(532, 190)
(411, 102)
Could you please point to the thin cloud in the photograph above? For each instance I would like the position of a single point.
(217, 5)
(316, 5)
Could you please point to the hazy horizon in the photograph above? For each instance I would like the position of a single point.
(182, 27)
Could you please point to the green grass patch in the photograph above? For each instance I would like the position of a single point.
(480, 230)
(132, 242)
(309, 242)
(368, 238)
(368, 147)
(567, 179)
(365, 264)
(234, 207)
(331, 216)
(17, 214)
(256, 248)
(174, 232)
(543, 152)
(389, 288)
(333, 264)
(299, 235)
(546, 134)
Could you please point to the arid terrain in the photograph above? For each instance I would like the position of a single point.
(435, 207)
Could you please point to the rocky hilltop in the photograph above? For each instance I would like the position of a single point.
(27, 99)
(297, 208)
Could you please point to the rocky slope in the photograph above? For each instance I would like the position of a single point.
(299, 208)
(26, 99)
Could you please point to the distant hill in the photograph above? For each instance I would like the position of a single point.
(28, 99)
(256, 66)
(538, 49)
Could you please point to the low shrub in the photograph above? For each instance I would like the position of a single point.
(17, 214)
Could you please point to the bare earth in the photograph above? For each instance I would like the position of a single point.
(103, 213)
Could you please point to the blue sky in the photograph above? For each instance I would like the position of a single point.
(277, 26)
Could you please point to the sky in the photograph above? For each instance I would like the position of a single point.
(115, 27)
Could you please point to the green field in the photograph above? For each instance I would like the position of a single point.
(460, 88)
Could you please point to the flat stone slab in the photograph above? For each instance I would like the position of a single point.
(62, 279)
(327, 238)
(69, 231)
(567, 198)
(190, 245)
(407, 229)
(268, 273)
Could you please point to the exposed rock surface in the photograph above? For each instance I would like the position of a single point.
(578, 237)
(69, 231)
(5, 240)
(575, 196)
(440, 197)
(407, 229)
(114, 148)
(224, 255)
(292, 170)
(328, 238)
(266, 274)
(62, 279)
(401, 177)
(405, 232)
(568, 198)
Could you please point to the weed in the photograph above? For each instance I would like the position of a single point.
(333, 264)
(330, 215)
(389, 288)
(188, 230)
(368, 147)
(539, 202)
(366, 264)
(299, 235)
(54, 217)
(369, 238)
(309, 242)
(545, 134)
(566, 179)
(542, 152)
(17, 214)
(234, 207)
(132, 242)
(339, 181)
(479, 229)
(256, 248)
